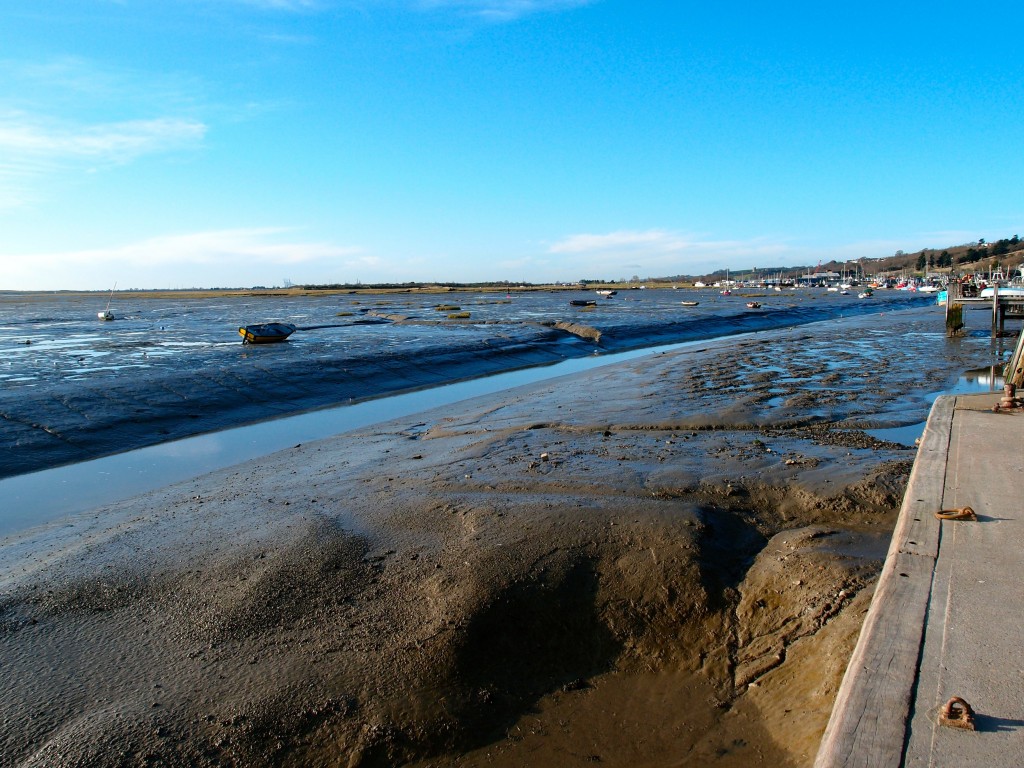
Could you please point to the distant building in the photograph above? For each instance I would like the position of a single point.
(820, 277)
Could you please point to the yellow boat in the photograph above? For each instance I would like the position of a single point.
(266, 333)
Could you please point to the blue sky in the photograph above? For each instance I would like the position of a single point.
(215, 143)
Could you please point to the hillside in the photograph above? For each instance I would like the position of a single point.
(979, 256)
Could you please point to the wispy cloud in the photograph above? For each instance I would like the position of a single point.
(277, 5)
(69, 116)
(33, 148)
(74, 84)
(652, 240)
(661, 242)
(120, 142)
(245, 245)
(656, 252)
(227, 257)
(493, 10)
(504, 10)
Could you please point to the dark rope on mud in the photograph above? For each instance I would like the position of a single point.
(340, 325)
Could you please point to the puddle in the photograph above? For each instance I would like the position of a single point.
(902, 435)
(975, 381)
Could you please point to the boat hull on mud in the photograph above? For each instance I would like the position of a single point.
(266, 333)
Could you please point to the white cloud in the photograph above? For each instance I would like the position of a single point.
(43, 133)
(656, 252)
(660, 242)
(504, 10)
(32, 148)
(652, 240)
(282, 5)
(229, 257)
(494, 10)
(203, 248)
(23, 136)
(250, 244)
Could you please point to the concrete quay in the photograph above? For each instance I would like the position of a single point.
(947, 618)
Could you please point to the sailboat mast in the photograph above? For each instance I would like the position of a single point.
(110, 298)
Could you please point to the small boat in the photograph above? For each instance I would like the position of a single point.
(1004, 291)
(583, 303)
(726, 292)
(266, 333)
(753, 305)
(606, 292)
(865, 295)
(689, 303)
(106, 314)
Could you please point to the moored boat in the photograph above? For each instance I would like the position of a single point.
(106, 314)
(606, 292)
(689, 303)
(753, 305)
(1004, 291)
(265, 333)
(583, 303)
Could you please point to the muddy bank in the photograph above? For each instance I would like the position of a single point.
(660, 563)
(340, 614)
(72, 390)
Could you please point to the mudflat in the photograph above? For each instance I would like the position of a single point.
(663, 562)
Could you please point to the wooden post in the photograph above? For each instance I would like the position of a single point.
(995, 308)
(954, 319)
(954, 309)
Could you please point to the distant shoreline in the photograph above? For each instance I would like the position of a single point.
(194, 293)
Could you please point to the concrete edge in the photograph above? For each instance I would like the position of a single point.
(872, 708)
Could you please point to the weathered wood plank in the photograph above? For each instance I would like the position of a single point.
(869, 719)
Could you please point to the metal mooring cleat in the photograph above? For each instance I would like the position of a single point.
(962, 513)
(957, 713)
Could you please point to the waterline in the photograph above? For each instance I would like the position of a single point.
(42, 497)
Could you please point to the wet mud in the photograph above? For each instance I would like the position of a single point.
(75, 389)
(662, 562)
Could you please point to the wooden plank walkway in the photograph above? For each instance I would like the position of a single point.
(944, 620)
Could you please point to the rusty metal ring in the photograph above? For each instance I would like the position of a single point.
(957, 713)
(963, 513)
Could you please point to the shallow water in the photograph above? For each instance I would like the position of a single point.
(38, 497)
(83, 389)
(977, 381)
(46, 338)
(73, 388)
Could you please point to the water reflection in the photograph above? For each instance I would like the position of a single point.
(974, 381)
(41, 497)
